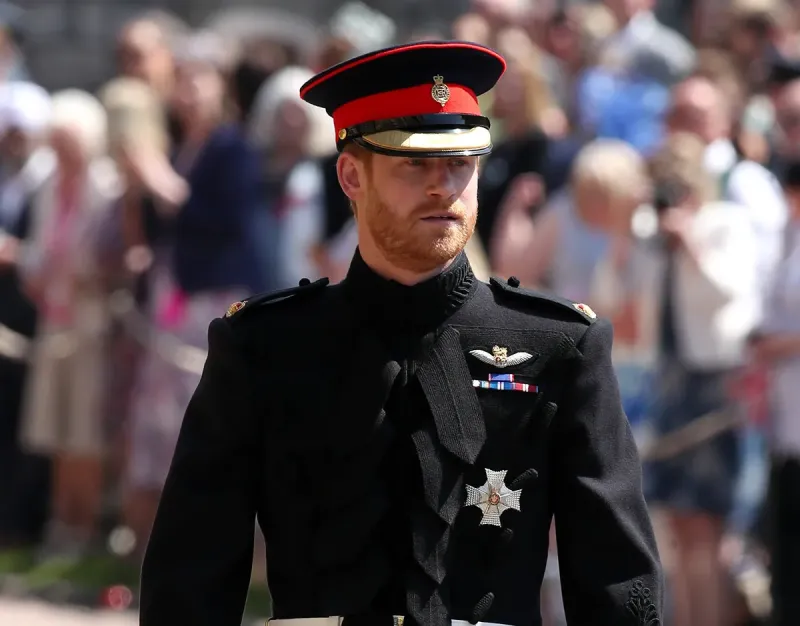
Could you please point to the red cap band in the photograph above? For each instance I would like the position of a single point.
(417, 100)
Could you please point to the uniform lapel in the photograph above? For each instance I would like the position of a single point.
(447, 385)
(446, 448)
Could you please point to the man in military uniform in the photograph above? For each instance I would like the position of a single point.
(405, 437)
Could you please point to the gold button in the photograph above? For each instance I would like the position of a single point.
(343, 134)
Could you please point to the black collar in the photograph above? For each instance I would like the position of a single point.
(423, 306)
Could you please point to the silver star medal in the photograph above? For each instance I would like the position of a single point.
(493, 498)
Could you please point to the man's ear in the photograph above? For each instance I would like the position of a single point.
(352, 175)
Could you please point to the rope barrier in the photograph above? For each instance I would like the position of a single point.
(121, 304)
(168, 347)
(695, 433)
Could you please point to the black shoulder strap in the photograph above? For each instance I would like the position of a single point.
(511, 288)
(305, 288)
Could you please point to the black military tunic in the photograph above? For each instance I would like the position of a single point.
(358, 423)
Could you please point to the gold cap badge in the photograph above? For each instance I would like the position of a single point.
(236, 306)
(440, 92)
(343, 134)
(586, 310)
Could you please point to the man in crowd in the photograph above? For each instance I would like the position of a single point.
(700, 107)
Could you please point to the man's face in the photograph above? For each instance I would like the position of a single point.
(624, 10)
(419, 213)
(697, 108)
(142, 54)
(199, 90)
(15, 145)
(67, 148)
(510, 94)
(291, 127)
(593, 205)
(793, 199)
(787, 120)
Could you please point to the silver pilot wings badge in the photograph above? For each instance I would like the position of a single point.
(493, 498)
(500, 357)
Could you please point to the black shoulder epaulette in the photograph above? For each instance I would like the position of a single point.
(512, 288)
(305, 288)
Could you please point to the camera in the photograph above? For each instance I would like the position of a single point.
(667, 194)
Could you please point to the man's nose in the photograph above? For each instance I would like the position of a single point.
(442, 182)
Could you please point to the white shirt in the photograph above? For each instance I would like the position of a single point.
(783, 316)
(754, 187)
(717, 302)
(303, 223)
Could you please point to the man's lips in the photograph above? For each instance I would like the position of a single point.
(448, 217)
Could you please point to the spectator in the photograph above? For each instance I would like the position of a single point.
(144, 51)
(561, 245)
(262, 56)
(25, 163)
(332, 51)
(521, 106)
(777, 345)
(12, 60)
(206, 255)
(139, 145)
(758, 29)
(696, 278)
(62, 272)
(626, 106)
(786, 133)
(575, 37)
(472, 27)
(700, 107)
(751, 117)
(643, 41)
(293, 134)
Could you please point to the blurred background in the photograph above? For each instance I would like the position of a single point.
(157, 164)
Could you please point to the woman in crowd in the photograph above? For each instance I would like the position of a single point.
(62, 271)
(560, 246)
(523, 113)
(574, 36)
(205, 256)
(292, 136)
(692, 272)
(138, 142)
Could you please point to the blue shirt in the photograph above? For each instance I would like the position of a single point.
(217, 234)
(630, 109)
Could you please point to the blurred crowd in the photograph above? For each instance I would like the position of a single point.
(652, 174)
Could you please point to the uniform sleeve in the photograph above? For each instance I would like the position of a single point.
(610, 570)
(198, 562)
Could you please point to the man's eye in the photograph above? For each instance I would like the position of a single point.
(416, 162)
(459, 162)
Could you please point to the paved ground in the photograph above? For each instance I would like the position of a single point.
(37, 613)
(33, 613)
